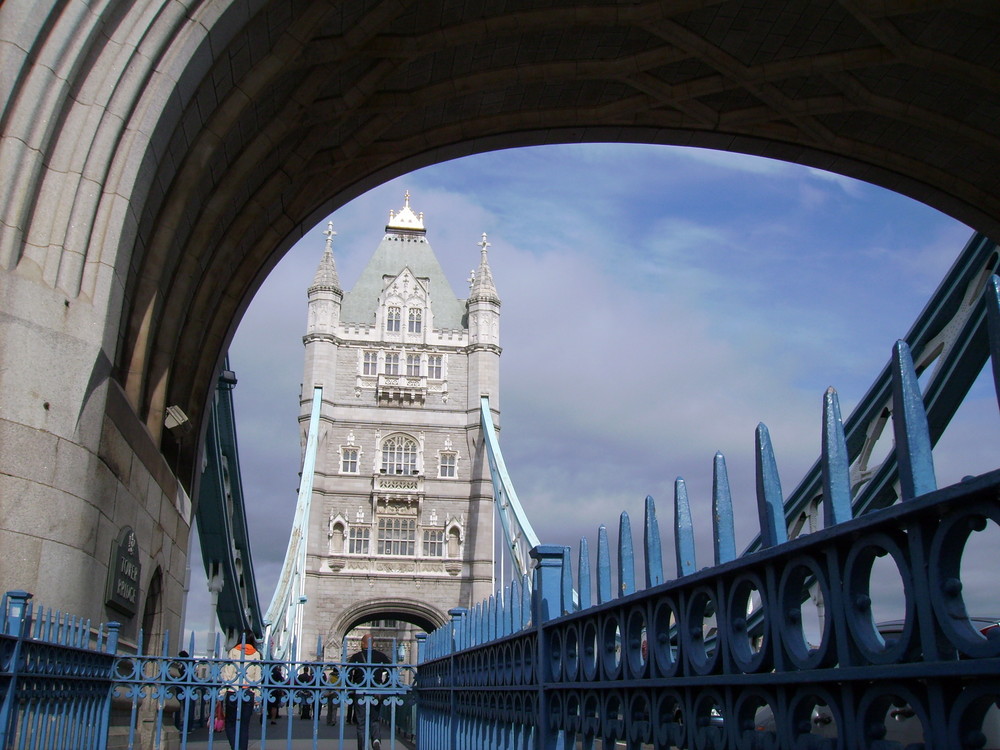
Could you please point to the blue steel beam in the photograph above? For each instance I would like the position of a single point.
(951, 334)
(221, 517)
(284, 614)
(518, 533)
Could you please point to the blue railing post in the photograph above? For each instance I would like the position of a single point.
(546, 604)
(16, 619)
(16, 623)
(457, 615)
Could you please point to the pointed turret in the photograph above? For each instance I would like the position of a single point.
(325, 298)
(483, 315)
(482, 287)
(325, 294)
(326, 277)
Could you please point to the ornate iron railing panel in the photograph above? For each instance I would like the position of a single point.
(721, 657)
(55, 677)
(165, 693)
(60, 680)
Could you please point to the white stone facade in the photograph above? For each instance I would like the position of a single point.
(401, 520)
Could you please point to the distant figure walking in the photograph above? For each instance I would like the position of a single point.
(358, 677)
(242, 674)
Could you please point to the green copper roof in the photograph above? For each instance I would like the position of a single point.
(396, 251)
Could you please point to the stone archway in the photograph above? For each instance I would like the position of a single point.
(418, 613)
(163, 156)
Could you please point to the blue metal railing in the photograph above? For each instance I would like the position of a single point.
(55, 677)
(62, 682)
(314, 698)
(720, 657)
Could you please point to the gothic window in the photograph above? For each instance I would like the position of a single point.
(413, 365)
(349, 461)
(399, 455)
(415, 321)
(370, 364)
(433, 543)
(434, 368)
(392, 364)
(447, 466)
(392, 319)
(358, 540)
(397, 536)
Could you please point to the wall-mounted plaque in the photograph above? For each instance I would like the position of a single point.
(122, 593)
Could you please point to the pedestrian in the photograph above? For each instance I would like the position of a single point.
(242, 674)
(305, 697)
(277, 696)
(330, 677)
(367, 675)
(183, 719)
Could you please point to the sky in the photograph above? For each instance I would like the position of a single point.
(657, 303)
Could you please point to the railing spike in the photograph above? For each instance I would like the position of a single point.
(626, 557)
(836, 465)
(491, 620)
(525, 600)
(515, 604)
(603, 566)
(683, 531)
(770, 506)
(583, 574)
(498, 614)
(722, 512)
(567, 582)
(652, 551)
(909, 426)
(512, 624)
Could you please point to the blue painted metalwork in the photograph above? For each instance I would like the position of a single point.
(158, 685)
(519, 536)
(286, 610)
(913, 437)
(58, 678)
(720, 658)
(221, 517)
(653, 554)
(769, 506)
(55, 677)
(951, 334)
(722, 512)
(683, 530)
(836, 469)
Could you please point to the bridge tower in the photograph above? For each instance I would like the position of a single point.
(401, 520)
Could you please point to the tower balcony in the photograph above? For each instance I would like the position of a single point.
(398, 484)
(404, 390)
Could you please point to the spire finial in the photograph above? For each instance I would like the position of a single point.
(330, 234)
(406, 199)
(484, 244)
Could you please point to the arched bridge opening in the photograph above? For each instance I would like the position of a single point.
(391, 621)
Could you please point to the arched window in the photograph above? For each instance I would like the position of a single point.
(415, 321)
(399, 455)
(392, 319)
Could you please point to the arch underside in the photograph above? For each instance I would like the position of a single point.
(418, 613)
(249, 129)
